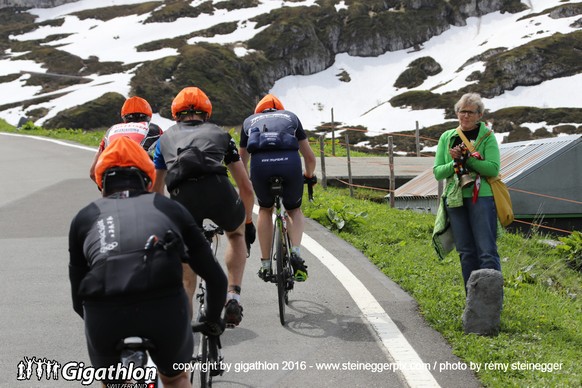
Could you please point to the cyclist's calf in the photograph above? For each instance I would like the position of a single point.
(189, 279)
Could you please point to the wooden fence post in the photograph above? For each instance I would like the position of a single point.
(322, 155)
(332, 134)
(391, 164)
(417, 135)
(349, 165)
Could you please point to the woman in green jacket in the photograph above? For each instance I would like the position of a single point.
(470, 209)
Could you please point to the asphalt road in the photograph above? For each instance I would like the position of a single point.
(348, 325)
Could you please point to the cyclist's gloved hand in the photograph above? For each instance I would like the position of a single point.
(250, 234)
(310, 181)
(212, 328)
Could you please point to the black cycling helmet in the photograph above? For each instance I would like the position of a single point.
(124, 178)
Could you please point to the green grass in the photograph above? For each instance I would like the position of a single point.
(89, 138)
(541, 322)
(542, 318)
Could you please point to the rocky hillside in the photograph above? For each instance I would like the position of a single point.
(33, 3)
(292, 41)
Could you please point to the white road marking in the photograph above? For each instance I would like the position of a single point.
(411, 366)
(395, 344)
(82, 147)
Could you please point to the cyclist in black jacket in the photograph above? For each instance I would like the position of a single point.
(126, 252)
(193, 159)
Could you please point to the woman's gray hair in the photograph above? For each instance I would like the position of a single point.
(470, 99)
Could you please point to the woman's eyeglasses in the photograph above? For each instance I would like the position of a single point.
(467, 112)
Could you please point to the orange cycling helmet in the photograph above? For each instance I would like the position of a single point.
(136, 106)
(126, 153)
(269, 102)
(191, 100)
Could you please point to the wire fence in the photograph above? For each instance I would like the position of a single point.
(322, 143)
(376, 134)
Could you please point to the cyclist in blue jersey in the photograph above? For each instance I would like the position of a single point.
(272, 138)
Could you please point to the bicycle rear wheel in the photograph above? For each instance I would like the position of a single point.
(204, 374)
(280, 258)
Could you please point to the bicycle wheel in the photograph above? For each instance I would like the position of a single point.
(280, 254)
(205, 378)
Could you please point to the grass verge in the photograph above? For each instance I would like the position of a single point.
(541, 322)
(89, 138)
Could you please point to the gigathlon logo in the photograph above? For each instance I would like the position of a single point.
(30, 368)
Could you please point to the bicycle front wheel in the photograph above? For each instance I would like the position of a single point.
(280, 254)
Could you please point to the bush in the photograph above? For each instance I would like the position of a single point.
(571, 250)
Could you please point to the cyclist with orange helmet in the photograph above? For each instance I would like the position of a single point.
(136, 114)
(192, 160)
(125, 267)
(275, 138)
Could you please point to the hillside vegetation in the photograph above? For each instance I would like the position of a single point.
(302, 40)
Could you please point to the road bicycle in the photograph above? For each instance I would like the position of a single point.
(134, 351)
(280, 255)
(207, 361)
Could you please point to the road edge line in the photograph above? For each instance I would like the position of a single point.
(410, 365)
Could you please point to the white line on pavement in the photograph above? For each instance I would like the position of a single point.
(411, 367)
(93, 149)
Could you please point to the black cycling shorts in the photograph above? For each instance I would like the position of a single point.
(286, 164)
(212, 197)
(164, 320)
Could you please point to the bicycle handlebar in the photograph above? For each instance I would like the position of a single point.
(198, 327)
(310, 182)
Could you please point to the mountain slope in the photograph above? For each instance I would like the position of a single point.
(383, 65)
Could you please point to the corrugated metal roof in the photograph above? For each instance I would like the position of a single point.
(424, 185)
(516, 158)
(519, 157)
